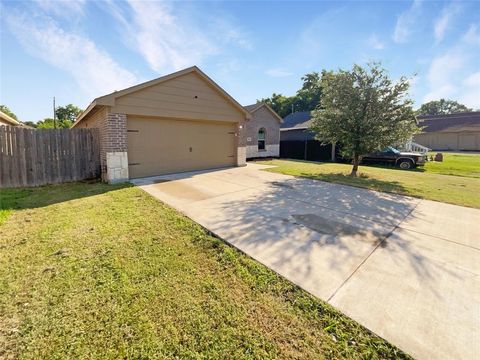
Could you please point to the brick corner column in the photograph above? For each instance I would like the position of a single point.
(116, 148)
(241, 144)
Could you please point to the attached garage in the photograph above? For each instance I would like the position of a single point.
(163, 146)
(180, 122)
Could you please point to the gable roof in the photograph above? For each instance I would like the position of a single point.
(8, 119)
(254, 107)
(296, 121)
(469, 121)
(109, 99)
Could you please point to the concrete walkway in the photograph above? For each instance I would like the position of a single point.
(407, 269)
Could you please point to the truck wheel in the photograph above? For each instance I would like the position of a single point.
(405, 164)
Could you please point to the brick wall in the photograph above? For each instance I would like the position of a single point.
(116, 132)
(240, 142)
(262, 118)
(113, 134)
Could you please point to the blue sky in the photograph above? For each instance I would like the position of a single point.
(77, 50)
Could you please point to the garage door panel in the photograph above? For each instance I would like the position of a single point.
(165, 146)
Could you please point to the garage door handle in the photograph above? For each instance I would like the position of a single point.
(131, 164)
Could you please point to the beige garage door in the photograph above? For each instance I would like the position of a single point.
(166, 146)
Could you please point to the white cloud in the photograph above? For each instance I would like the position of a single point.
(447, 79)
(278, 72)
(472, 36)
(94, 71)
(62, 8)
(471, 94)
(171, 40)
(165, 41)
(473, 80)
(441, 75)
(406, 21)
(375, 42)
(224, 31)
(443, 21)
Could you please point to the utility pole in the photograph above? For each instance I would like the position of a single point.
(54, 115)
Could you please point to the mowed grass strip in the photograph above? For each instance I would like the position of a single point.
(427, 183)
(107, 272)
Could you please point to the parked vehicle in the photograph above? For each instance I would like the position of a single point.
(392, 156)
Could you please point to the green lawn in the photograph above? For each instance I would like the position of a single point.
(91, 271)
(455, 181)
(457, 164)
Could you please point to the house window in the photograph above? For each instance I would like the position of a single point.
(261, 139)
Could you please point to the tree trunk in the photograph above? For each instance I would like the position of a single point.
(356, 160)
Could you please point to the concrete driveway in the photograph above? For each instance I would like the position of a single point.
(407, 269)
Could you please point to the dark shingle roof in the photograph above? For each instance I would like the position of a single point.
(300, 120)
(450, 123)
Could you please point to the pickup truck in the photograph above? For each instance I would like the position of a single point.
(392, 156)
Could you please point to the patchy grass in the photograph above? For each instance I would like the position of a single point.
(97, 271)
(429, 183)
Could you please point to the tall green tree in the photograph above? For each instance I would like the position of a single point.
(364, 110)
(306, 98)
(442, 107)
(6, 110)
(67, 114)
(280, 103)
(48, 123)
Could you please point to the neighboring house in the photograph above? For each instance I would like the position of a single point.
(297, 142)
(262, 131)
(180, 122)
(7, 120)
(456, 132)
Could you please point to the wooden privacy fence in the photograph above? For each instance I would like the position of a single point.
(30, 157)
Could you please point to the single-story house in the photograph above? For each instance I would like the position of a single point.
(7, 120)
(298, 142)
(456, 132)
(262, 131)
(176, 123)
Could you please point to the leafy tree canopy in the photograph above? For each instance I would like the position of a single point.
(306, 98)
(364, 110)
(30, 123)
(68, 113)
(7, 111)
(442, 107)
(49, 124)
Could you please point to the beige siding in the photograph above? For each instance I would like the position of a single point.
(161, 146)
(184, 97)
(450, 141)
